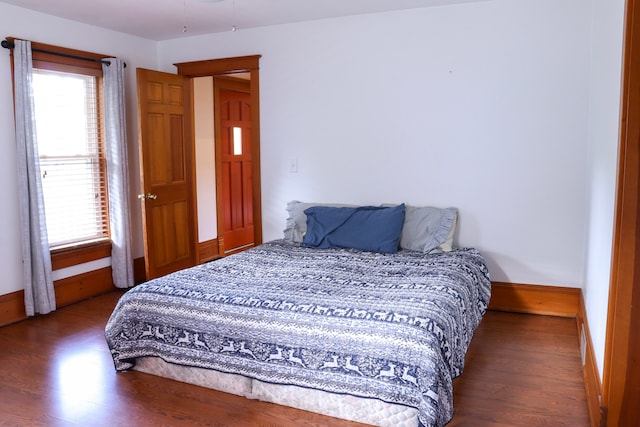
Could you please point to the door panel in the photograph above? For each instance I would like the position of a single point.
(235, 165)
(166, 161)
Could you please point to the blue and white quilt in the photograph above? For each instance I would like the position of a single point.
(391, 327)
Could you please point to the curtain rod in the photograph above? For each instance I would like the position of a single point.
(8, 45)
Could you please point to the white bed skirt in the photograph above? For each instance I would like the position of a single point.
(363, 410)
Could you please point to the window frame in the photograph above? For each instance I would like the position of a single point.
(46, 66)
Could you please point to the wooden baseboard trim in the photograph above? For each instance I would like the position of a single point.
(83, 286)
(12, 308)
(590, 372)
(208, 251)
(68, 291)
(535, 299)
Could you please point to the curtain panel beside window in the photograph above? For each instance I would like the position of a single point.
(39, 295)
(117, 173)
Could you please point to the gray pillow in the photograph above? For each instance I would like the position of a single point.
(428, 229)
(425, 229)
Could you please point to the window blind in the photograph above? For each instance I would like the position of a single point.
(72, 160)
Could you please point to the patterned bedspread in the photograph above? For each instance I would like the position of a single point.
(392, 327)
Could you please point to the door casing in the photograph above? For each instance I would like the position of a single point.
(225, 67)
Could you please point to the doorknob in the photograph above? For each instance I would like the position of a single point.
(147, 196)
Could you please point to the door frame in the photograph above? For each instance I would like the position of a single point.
(229, 66)
(621, 374)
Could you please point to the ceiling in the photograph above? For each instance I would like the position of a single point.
(167, 19)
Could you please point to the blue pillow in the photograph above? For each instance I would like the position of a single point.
(369, 228)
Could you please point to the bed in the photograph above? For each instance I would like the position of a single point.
(370, 336)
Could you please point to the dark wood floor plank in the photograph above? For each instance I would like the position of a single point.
(56, 370)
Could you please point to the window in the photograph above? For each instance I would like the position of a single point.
(69, 125)
(237, 141)
(72, 160)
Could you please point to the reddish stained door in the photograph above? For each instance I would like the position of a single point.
(235, 199)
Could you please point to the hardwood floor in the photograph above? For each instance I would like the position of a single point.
(55, 370)
(522, 370)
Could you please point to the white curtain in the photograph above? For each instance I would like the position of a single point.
(39, 295)
(117, 173)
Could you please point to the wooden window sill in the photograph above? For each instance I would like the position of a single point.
(79, 254)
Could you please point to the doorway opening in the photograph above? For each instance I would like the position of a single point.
(237, 208)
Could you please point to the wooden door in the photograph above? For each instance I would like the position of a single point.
(166, 168)
(235, 177)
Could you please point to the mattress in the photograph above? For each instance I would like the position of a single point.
(392, 328)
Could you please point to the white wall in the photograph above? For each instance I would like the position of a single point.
(481, 106)
(205, 158)
(604, 118)
(22, 23)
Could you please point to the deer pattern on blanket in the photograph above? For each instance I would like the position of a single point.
(391, 327)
